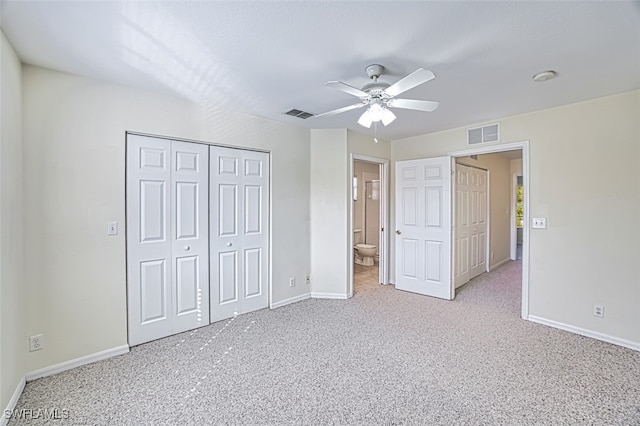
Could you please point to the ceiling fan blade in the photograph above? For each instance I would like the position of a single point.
(414, 79)
(341, 110)
(413, 104)
(347, 89)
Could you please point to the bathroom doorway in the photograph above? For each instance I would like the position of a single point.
(369, 207)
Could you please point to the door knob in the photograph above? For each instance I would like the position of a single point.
(398, 232)
(187, 248)
(229, 244)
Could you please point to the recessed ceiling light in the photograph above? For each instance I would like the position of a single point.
(544, 76)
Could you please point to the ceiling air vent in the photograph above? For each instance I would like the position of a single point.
(300, 114)
(490, 133)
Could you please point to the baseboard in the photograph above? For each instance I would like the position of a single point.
(68, 365)
(291, 300)
(499, 264)
(329, 296)
(12, 402)
(587, 333)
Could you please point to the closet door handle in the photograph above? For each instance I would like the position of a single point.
(187, 248)
(398, 232)
(229, 244)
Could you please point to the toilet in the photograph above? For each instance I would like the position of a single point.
(363, 254)
(366, 253)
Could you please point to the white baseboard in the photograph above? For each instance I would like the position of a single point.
(329, 295)
(12, 402)
(290, 300)
(68, 365)
(499, 264)
(587, 333)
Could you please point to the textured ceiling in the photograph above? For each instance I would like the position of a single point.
(267, 57)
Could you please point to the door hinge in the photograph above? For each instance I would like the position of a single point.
(381, 229)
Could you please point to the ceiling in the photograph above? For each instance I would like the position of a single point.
(266, 57)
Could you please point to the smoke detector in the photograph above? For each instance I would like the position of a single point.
(544, 76)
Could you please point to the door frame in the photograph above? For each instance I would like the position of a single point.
(383, 266)
(492, 149)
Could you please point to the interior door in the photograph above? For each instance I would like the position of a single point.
(423, 232)
(167, 235)
(239, 209)
(478, 222)
(461, 225)
(190, 235)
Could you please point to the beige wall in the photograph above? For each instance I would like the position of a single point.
(498, 167)
(361, 168)
(13, 342)
(584, 168)
(74, 152)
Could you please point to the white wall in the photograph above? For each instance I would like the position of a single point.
(329, 221)
(74, 159)
(13, 342)
(584, 163)
(330, 197)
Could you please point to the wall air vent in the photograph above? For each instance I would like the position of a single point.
(298, 113)
(490, 133)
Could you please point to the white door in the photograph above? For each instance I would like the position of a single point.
(461, 225)
(478, 222)
(239, 208)
(167, 235)
(423, 230)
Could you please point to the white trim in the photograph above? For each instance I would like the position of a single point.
(329, 296)
(499, 264)
(587, 333)
(83, 360)
(290, 300)
(500, 147)
(13, 401)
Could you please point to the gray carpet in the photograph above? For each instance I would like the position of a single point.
(383, 357)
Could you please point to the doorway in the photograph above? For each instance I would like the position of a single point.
(368, 214)
(423, 206)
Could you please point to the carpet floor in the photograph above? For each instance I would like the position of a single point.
(382, 357)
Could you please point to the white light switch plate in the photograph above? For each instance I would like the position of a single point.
(112, 228)
(539, 223)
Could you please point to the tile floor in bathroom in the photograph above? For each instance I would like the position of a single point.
(365, 276)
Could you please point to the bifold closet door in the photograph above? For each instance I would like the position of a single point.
(167, 237)
(239, 241)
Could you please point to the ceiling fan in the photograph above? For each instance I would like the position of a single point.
(379, 96)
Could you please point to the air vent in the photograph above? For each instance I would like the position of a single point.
(300, 114)
(490, 133)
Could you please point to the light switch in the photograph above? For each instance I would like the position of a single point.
(539, 222)
(112, 228)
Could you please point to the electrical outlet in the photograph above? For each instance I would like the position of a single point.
(598, 311)
(36, 342)
(307, 279)
(292, 282)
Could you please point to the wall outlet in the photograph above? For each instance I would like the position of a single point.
(36, 342)
(307, 279)
(598, 311)
(292, 282)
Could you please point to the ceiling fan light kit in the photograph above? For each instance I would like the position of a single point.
(379, 96)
